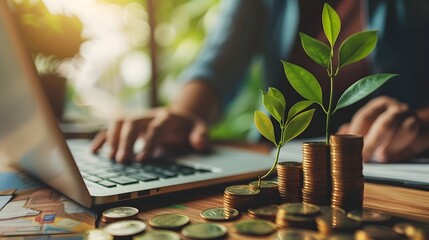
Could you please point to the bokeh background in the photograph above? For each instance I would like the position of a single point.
(122, 57)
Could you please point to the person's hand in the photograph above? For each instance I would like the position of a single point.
(161, 128)
(392, 132)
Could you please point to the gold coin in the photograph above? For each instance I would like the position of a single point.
(125, 228)
(303, 209)
(204, 231)
(376, 232)
(97, 234)
(169, 221)
(294, 234)
(368, 216)
(255, 227)
(219, 214)
(267, 212)
(119, 213)
(241, 190)
(158, 235)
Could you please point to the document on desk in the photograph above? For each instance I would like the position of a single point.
(414, 174)
(36, 209)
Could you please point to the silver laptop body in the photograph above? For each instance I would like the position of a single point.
(31, 140)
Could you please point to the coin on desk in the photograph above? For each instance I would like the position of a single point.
(97, 234)
(158, 235)
(255, 227)
(368, 216)
(303, 209)
(169, 221)
(219, 214)
(204, 231)
(266, 212)
(376, 232)
(293, 234)
(119, 213)
(125, 228)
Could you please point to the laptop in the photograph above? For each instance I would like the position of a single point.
(31, 140)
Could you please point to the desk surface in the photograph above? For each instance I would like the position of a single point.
(192, 202)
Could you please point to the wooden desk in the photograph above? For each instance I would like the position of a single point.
(192, 202)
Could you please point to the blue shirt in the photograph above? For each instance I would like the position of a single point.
(268, 28)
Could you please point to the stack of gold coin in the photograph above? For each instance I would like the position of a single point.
(269, 192)
(265, 212)
(290, 181)
(297, 215)
(119, 213)
(346, 171)
(316, 173)
(240, 197)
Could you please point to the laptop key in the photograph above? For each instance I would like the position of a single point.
(123, 180)
(107, 175)
(144, 177)
(107, 183)
(93, 179)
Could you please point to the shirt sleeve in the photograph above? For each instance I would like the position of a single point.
(229, 48)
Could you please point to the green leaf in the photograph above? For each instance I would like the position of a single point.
(331, 24)
(277, 94)
(303, 82)
(297, 108)
(273, 106)
(357, 47)
(297, 125)
(264, 126)
(362, 88)
(315, 49)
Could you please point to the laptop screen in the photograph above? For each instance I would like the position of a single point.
(29, 133)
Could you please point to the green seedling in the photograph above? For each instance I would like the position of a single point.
(292, 125)
(354, 48)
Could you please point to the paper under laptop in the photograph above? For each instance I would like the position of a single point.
(31, 141)
(414, 174)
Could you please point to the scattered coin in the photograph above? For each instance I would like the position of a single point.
(97, 234)
(204, 231)
(286, 217)
(266, 212)
(119, 213)
(405, 229)
(169, 221)
(219, 214)
(125, 228)
(294, 234)
(304, 209)
(255, 227)
(335, 221)
(158, 235)
(377, 232)
(368, 216)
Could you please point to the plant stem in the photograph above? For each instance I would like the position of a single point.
(279, 146)
(329, 112)
(331, 93)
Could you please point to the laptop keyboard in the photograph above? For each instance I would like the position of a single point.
(111, 174)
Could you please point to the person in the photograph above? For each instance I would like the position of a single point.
(394, 124)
